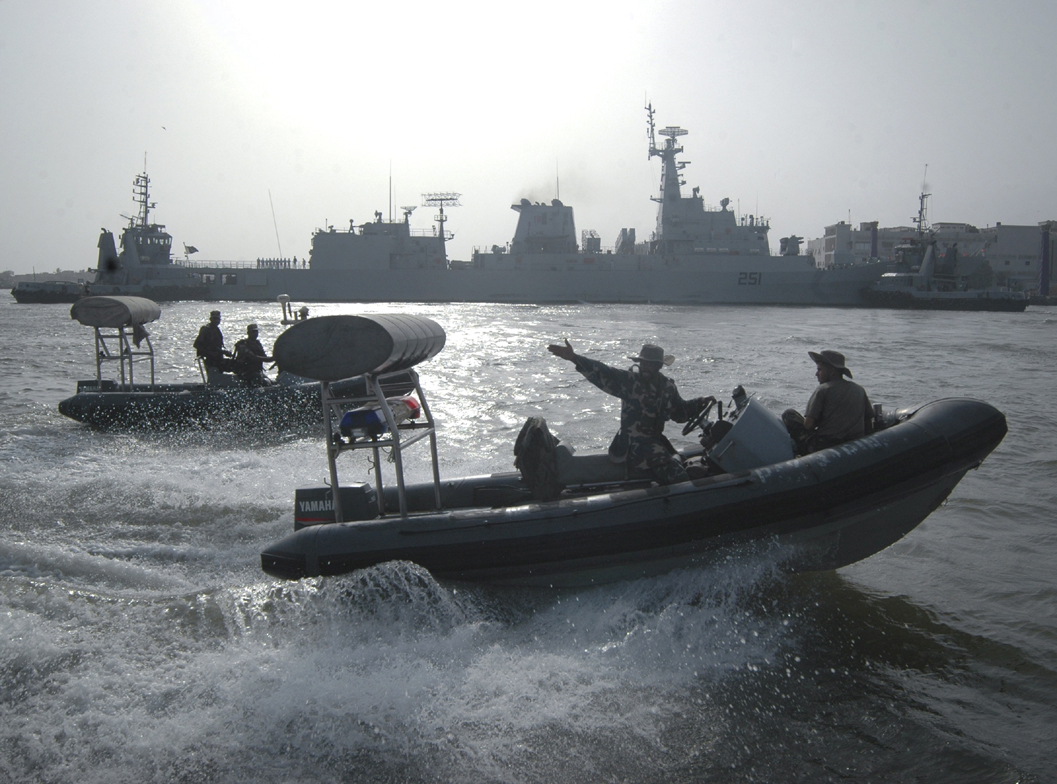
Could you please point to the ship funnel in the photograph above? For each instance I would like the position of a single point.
(928, 263)
(108, 262)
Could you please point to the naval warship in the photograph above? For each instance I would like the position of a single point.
(695, 255)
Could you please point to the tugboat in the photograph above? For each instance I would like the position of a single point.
(927, 282)
(574, 520)
(144, 267)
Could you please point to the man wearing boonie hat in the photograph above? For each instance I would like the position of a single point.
(649, 399)
(209, 345)
(839, 409)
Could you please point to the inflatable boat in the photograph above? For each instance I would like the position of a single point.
(115, 399)
(571, 520)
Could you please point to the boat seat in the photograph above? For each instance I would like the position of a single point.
(592, 468)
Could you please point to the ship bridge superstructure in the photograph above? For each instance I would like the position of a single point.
(145, 256)
(385, 244)
(684, 225)
(148, 243)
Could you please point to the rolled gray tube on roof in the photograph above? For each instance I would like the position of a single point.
(330, 348)
(113, 312)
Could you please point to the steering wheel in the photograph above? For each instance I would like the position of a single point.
(697, 420)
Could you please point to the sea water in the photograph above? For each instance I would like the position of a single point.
(142, 643)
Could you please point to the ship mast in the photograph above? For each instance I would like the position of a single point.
(921, 221)
(670, 168)
(439, 200)
(141, 195)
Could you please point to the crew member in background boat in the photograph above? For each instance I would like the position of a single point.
(649, 399)
(838, 411)
(249, 359)
(210, 347)
(302, 314)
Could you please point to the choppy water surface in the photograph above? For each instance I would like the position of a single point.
(141, 642)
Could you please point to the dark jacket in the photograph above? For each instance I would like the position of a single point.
(210, 344)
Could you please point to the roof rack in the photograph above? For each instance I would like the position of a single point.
(124, 317)
(377, 347)
(398, 435)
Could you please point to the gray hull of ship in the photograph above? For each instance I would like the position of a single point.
(770, 281)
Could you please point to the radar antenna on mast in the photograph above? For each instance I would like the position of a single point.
(408, 211)
(439, 200)
(672, 132)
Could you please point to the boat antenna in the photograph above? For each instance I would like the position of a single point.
(557, 183)
(390, 190)
(275, 224)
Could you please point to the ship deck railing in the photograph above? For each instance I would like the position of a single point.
(252, 264)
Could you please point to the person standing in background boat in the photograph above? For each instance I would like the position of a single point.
(209, 346)
(249, 359)
(839, 409)
(648, 400)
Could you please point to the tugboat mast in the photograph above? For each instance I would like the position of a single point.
(141, 196)
(921, 221)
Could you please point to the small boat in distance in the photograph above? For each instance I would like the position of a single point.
(48, 292)
(574, 520)
(290, 316)
(125, 394)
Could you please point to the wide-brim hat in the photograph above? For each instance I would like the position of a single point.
(652, 353)
(214, 314)
(832, 358)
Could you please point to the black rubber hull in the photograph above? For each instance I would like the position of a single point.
(838, 506)
(175, 406)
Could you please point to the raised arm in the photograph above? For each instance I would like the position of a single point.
(564, 352)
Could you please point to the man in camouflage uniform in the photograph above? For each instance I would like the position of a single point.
(649, 399)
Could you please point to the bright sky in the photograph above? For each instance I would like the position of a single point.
(806, 112)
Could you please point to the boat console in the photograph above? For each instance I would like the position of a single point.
(749, 436)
